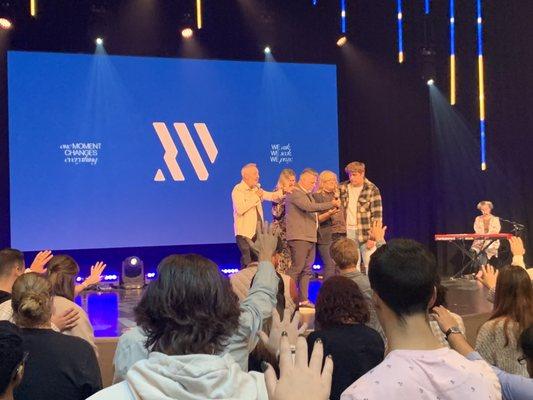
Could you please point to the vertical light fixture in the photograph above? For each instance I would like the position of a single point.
(33, 8)
(400, 32)
(199, 21)
(315, 2)
(343, 16)
(481, 85)
(427, 7)
(452, 53)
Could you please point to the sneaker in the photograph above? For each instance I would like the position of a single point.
(306, 304)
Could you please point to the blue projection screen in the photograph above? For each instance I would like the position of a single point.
(112, 151)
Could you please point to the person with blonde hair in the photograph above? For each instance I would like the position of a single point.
(332, 223)
(286, 183)
(484, 224)
(61, 272)
(58, 366)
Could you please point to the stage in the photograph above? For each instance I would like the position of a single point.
(111, 311)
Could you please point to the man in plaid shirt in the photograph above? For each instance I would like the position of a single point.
(362, 202)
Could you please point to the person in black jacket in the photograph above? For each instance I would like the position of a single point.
(58, 366)
(341, 314)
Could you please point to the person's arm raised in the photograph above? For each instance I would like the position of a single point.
(299, 379)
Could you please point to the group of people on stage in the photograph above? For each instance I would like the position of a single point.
(309, 213)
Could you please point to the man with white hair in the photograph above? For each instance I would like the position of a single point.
(247, 197)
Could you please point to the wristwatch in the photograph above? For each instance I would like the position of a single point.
(453, 329)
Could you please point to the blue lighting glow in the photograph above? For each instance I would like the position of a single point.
(400, 32)
(427, 7)
(343, 16)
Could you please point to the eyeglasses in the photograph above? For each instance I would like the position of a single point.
(522, 360)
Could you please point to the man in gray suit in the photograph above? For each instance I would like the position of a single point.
(302, 223)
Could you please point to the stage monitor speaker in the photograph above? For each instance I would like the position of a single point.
(132, 276)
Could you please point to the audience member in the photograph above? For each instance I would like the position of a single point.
(190, 315)
(12, 359)
(286, 182)
(341, 315)
(11, 267)
(241, 282)
(402, 276)
(514, 387)
(345, 253)
(440, 300)
(187, 275)
(58, 366)
(299, 378)
(61, 271)
(497, 340)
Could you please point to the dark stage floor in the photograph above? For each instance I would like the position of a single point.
(111, 311)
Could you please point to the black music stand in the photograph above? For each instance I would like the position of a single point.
(473, 258)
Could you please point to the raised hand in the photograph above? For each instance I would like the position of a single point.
(40, 260)
(444, 318)
(488, 276)
(300, 380)
(291, 327)
(517, 246)
(377, 231)
(67, 320)
(266, 242)
(96, 272)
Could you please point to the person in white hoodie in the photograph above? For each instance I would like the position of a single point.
(189, 314)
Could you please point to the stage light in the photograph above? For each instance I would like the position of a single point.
(481, 84)
(400, 31)
(99, 41)
(199, 22)
(342, 41)
(132, 276)
(427, 8)
(267, 50)
(33, 8)
(5, 24)
(343, 16)
(187, 33)
(430, 82)
(452, 53)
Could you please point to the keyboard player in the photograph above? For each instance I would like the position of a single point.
(486, 223)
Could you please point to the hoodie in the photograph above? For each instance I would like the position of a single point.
(188, 377)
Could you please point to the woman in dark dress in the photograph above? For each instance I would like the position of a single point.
(286, 182)
(341, 314)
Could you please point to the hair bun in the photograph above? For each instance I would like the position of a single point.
(31, 305)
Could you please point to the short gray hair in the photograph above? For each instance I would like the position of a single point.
(485, 203)
(247, 166)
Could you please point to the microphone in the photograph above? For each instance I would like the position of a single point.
(511, 222)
